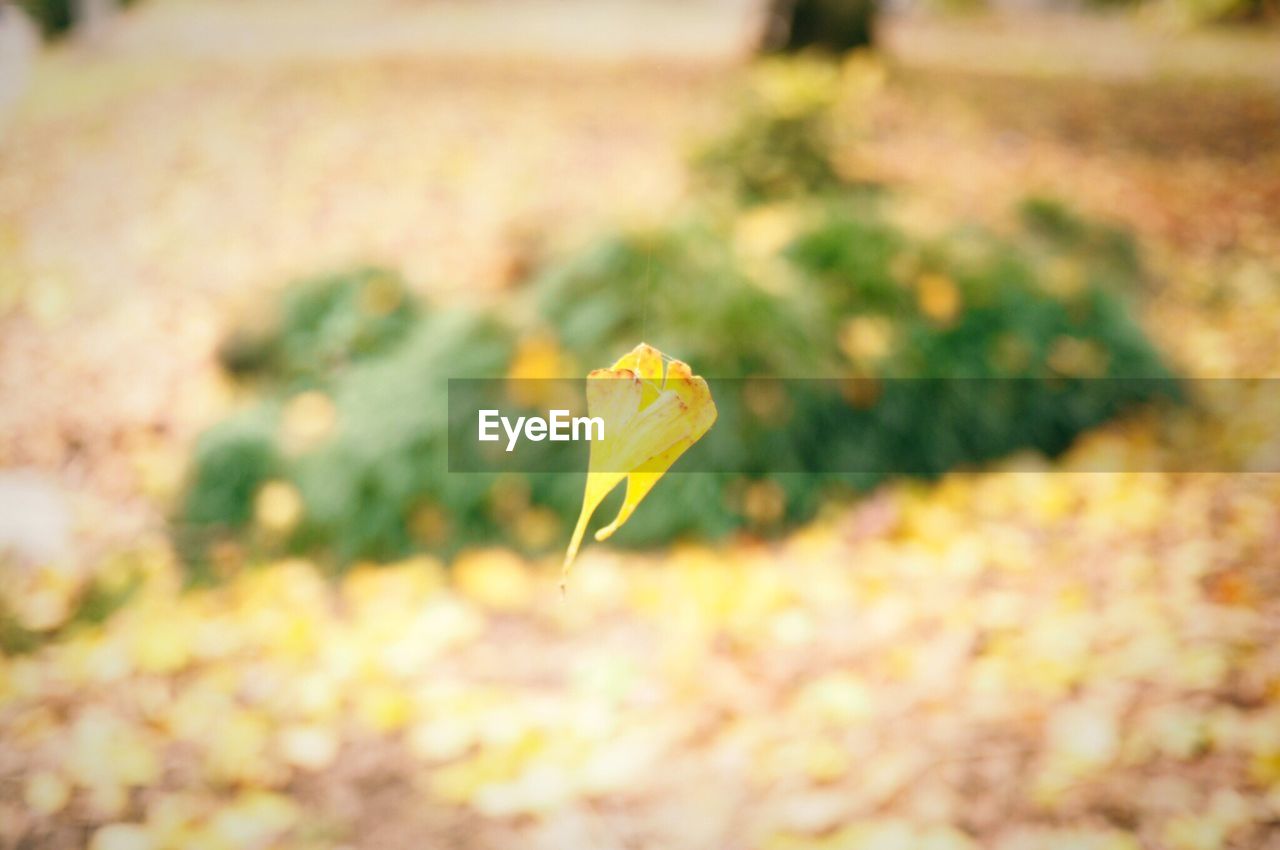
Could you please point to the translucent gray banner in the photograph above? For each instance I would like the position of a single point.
(916, 426)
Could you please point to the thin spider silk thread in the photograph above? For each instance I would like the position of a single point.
(648, 288)
(645, 296)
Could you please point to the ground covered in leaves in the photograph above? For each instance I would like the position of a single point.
(1012, 660)
(1015, 660)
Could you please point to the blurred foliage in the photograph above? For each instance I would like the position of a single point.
(1062, 630)
(345, 455)
(323, 325)
(1111, 247)
(850, 294)
(685, 287)
(349, 461)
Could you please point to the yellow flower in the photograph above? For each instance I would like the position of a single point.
(650, 419)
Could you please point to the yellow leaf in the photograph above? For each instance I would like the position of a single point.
(310, 747)
(384, 708)
(254, 819)
(308, 420)
(494, 578)
(825, 762)
(121, 836)
(278, 507)
(46, 793)
(938, 297)
(651, 416)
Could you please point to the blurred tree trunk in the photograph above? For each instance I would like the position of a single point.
(58, 17)
(834, 25)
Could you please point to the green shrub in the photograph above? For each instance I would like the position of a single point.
(232, 461)
(344, 454)
(682, 289)
(323, 324)
(849, 295)
(1110, 249)
(361, 441)
(858, 297)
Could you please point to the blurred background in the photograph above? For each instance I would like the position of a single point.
(244, 244)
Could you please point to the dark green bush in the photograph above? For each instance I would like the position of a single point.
(851, 295)
(344, 454)
(324, 324)
(1110, 249)
(368, 476)
(683, 290)
(1047, 313)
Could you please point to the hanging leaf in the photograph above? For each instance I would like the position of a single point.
(653, 410)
